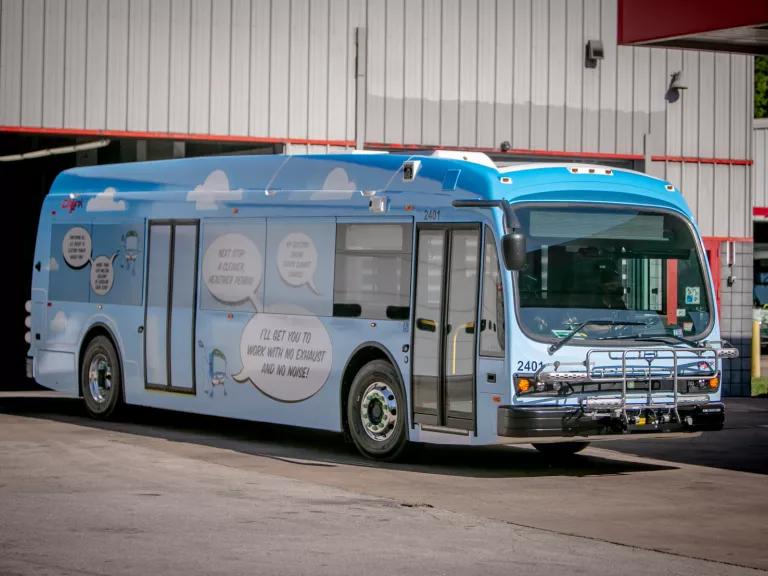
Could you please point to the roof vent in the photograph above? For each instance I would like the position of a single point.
(466, 155)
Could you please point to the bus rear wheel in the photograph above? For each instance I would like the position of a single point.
(376, 411)
(100, 378)
(561, 448)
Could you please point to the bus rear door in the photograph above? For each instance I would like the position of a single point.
(169, 351)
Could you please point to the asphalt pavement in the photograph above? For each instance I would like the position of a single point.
(160, 492)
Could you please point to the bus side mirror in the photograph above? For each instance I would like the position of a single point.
(513, 246)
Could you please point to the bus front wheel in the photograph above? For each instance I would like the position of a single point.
(100, 378)
(561, 448)
(376, 411)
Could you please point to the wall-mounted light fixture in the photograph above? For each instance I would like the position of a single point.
(676, 83)
(592, 53)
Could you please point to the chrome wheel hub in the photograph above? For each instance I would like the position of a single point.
(100, 379)
(378, 411)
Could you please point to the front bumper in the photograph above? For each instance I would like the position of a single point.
(572, 421)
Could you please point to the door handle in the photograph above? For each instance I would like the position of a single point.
(426, 324)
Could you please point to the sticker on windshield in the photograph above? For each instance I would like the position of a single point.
(692, 295)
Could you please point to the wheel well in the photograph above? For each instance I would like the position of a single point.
(93, 332)
(366, 353)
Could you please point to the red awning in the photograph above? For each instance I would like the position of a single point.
(733, 26)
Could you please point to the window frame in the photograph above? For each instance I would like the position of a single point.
(408, 228)
(590, 342)
(489, 235)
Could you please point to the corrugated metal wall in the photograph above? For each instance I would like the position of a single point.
(760, 168)
(439, 72)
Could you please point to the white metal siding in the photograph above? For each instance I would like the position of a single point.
(760, 168)
(439, 72)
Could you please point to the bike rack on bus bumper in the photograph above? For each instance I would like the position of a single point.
(644, 411)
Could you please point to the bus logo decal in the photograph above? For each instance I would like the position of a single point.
(71, 204)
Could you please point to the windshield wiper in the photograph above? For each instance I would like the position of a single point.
(565, 339)
(664, 337)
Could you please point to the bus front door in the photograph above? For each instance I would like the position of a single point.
(169, 326)
(444, 339)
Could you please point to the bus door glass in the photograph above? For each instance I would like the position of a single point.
(170, 306)
(444, 341)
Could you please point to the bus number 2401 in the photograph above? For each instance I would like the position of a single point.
(529, 365)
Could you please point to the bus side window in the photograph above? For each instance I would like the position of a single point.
(373, 271)
(492, 309)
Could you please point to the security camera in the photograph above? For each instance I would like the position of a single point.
(505, 146)
(592, 53)
(676, 83)
(410, 169)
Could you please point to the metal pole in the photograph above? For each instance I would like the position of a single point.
(755, 348)
(361, 91)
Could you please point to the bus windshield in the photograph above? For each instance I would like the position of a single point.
(629, 272)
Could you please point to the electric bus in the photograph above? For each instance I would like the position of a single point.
(428, 298)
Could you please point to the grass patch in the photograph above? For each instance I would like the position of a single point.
(760, 386)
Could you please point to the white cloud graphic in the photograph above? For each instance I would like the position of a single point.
(53, 264)
(337, 186)
(215, 189)
(59, 323)
(105, 202)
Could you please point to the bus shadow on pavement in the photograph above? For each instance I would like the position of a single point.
(307, 447)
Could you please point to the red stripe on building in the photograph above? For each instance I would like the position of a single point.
(351, 143)
(699, 160)
(174, 136)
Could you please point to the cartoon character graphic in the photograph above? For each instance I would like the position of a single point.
(130, 242)
(217, 372)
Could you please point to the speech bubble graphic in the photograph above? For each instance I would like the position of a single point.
(232, 269)
(297, 260)
(102, 274)
(76, 247)
(288, 358)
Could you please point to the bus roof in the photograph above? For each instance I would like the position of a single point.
(440, 177)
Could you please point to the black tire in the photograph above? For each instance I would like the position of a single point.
(561, 449)
(101, 380)
(378, 431)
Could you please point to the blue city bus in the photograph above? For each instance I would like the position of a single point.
(433, 298)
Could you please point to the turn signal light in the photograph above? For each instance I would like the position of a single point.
(524, 385)
(714, 383)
